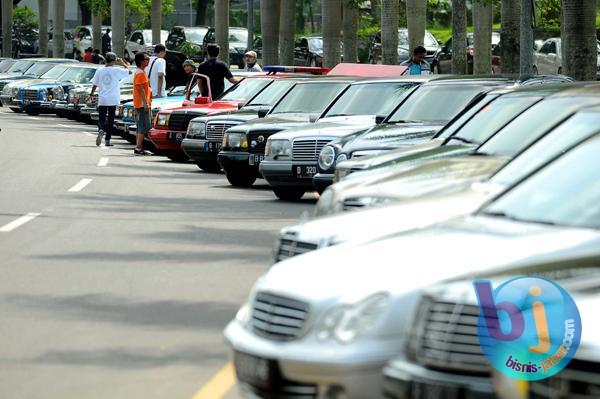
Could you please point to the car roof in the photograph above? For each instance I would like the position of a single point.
(580, 89)
(467, 79)
(546, 89)
(407, 78)
(327, 79)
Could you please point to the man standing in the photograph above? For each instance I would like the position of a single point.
(97, 58)
(109, 94)
(189, 67)
(251, 64)
(216, 70)
(157, 70)
(142, 100)
(106, 42)
(417, 64)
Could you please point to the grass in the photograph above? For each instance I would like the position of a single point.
(444, 33)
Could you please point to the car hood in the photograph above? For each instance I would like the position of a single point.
(44, 85)
(279, 122)
(330, 127)
(16, 77)
(242, 115)
(406, 261)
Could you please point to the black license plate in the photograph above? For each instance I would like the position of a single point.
(421, 390)
(210, 146)
(175, 136)
(305, 171)
(254, 370)
(255, 159)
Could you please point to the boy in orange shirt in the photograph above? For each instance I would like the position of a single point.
(142, 100)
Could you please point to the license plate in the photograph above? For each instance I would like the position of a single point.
(433, 391)
(174, 136)
(210, 146)
(305, 171)
(255, 159)
(254, 370)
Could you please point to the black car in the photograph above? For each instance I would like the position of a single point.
(308, 50)
(238, 40)
(432, 46)
(190, 40)
(444, 58)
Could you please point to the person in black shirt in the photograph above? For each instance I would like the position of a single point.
(216, 70)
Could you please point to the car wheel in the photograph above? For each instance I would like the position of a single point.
(241, 179)
(17, 110)
(177, 156)
(209, 166)
(535, 70)
(31, 112)
(289, 193)
(71, 115)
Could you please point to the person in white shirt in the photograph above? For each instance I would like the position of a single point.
(157, 72)
(107, 80)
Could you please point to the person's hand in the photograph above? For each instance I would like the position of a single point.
(146, 107)
(158, 96)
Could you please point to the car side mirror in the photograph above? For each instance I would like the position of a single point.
(379, 119)
(439, 41)
(241, 105)
(262, 113)
(202, 100)
(313, 117)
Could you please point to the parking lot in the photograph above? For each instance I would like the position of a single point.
(127, 269)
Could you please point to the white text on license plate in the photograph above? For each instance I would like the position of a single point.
(255, 159)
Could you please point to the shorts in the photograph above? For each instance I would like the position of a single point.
(143, 121)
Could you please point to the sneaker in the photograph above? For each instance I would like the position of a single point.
(139, 151)
(108, 144)
(99, 137)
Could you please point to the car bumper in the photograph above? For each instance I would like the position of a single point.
(404, 379)
(354, 371)
(87, 111)
(321, 181)
(37, 104)
(287, 173)
(123, 126)
(235, 160)
(10, 101)
(95, 116)
(198, 150)
(165, 139)
(59, 105)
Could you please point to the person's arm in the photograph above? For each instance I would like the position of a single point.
(124, 64)
(161, 77)
(93, 90)
(142, 94)
(230, 77)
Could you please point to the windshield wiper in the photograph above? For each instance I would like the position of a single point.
(505, 215)
(406, 121)
(462, 140)
(332, 115)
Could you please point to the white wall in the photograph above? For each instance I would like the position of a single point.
(72, 11)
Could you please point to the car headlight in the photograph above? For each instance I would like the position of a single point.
(58, 93)
(235, 140)
(7, 90)
(278, 148)
(162, 119)
(119, 111)
(347, 322)
(327, 157)
(197, 129)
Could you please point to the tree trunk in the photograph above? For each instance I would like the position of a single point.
(482, 37)
(331, 11)
(269, 26)
(43, 25)
(350, 22)
(96, 30)
(510, 36)
(416, 12)
(222, 28)
(526, 38)
(459, 37)
(250, 23)
(117, 18)
(201, 6)
(389, 32)
(7, 25)
(375, 11)
(578, 39)
(286, 32)
(58, 27)
(156, 21)
(311, 16)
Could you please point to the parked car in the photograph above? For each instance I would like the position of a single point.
(141, 40)
(238, 40)
(83, 37)
(404, 52)
(192, 37)
(444, 57)
(68, 49)
(5, 64)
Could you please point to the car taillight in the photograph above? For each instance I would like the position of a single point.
(470, 52)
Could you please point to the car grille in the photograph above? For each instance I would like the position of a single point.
(288, 247)
(180, 120)
(93, 101)
(579, 380)
(287, 389)
(307, 150)
(448, 339)
(216, 130)
(278, 318)
(259, 148)
(30, 94)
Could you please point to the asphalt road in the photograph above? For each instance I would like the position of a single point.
(120, 288)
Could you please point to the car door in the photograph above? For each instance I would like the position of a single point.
(137, 40)
(301, 52)
(541, 57)
(445, 57)
(553, 61)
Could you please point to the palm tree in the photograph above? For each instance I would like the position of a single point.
(526, 38)
(117, 18)
(350, 31)
(482, 37)
(43, 27)
(510, 35)
(578, 39)
(286, 32)
(389, 32)
(97, 16)
(459, 37)
(331, 11)
(7, 25)
(222, 27)
(156, 21)
(250, 23)
(416, 12)
(269, 27)
(58, 46)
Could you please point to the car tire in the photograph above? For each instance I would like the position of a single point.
(15, 109)
(289, 193)
(177, 156)
(241, 179)
(209, 166)
(71, 115)
(31, 112)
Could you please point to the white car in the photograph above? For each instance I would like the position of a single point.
(548, 59)
(141, 40)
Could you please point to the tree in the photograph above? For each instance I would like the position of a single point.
(510, 35)
(286, 32)
(350, 30)
(578, 39)
(389, 32)
(269, 27)
(222, 27)
(43, 27)
(459, 37)
(526, 38)
(7, 27)
(141, 10)
(482, 37)
(416, 11)
(156, 20)
(99, 9)
(250, 24)
(331, 12)
(117, 19)
(58, 45)
(201, 6)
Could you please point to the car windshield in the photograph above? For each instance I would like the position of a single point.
(5, 65)
(459, 120)
(272, 93)
(493, 117)
(148, 36)
(548, 195)
(428, 40)
(530, 125)
(177, 91)
(196, 35)
(370, 99)
(575, 129)
(495, 39)
(40, 68)
(54, 72)
(309, 98)
(20, 66)
(245, 90)
(238, 36)
(436, 103)
(78, 75)
(315, 44)
(127, 81)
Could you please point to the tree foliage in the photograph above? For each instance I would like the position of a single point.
(141, 11)
(24, 22)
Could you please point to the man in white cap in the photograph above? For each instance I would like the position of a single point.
(251, 64)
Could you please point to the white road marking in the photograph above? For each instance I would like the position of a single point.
(103, 162)
(68, 126)
(80, 186)
(18, 222)
(90, 134)
(34, 118)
